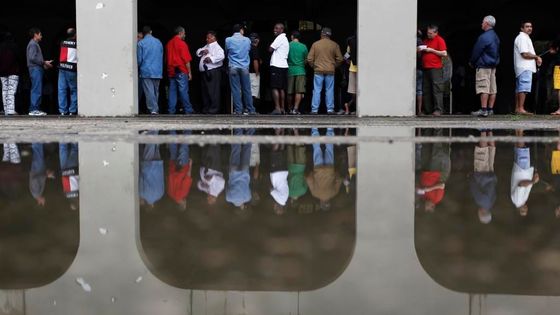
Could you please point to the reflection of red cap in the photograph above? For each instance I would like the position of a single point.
(429, 179)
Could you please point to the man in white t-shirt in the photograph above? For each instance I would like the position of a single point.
(525, 63)
(523, 177)
(280, 49)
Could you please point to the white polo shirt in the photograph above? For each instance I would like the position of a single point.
(281, 48)
(523, 44)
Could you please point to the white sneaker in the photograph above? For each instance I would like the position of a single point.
(37, 113)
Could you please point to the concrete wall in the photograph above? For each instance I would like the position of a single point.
(387, 62)
(107, 81)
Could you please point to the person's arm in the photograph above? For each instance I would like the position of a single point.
(257, 66)
(201, 52)
(440, 53)
(477, 52)
(275, 44)
(34, 56)
(188, 65)
(526, 52)
(140, 54)
(338, 56)
(218, 55)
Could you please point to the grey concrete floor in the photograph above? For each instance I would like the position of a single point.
(54, 128)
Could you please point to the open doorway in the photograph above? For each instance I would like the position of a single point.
(306, 16)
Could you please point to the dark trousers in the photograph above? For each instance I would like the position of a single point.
(433, 90)
(211, 91)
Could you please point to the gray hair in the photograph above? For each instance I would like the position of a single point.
(326, 31)
(490, 20)
(179, 29)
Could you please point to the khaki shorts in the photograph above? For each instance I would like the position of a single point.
(353, 82)
(296, 84)
(486, 81)
(557, 77)
(255, 85)
(484, 159)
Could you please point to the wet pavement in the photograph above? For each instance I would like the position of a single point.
(311, 220)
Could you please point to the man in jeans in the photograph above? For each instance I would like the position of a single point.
(324, 57)
(36, 65)
(67, 75)
(150, 65)
(179, 71)
(237, 49)
(433, 51)
(485, 58)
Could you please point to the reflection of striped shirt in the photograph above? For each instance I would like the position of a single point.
(68, 56)
(71, 183)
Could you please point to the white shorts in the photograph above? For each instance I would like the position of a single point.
(255, 85)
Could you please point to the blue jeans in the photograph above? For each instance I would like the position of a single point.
(240, 156)
(68, 154)
(38, 165)
(240, 83)
(321, 158)
(36, 76)
(318, 80)
(67, 80)
(151, 90)
(179, 153)
(179, 85)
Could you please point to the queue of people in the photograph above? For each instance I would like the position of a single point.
(485, 58)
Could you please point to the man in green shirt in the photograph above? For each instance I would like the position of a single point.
(296, 73)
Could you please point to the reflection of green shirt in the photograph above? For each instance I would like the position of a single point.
(296, 59)
(296, 180)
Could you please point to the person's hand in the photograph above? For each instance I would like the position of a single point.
(539, 61)
(204, 52)
(190, 76)
(207, 60)
(536, 178)
(428, 50)
(47, 64)
(257, 74)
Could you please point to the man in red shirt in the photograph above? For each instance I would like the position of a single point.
(179, 181)
(179, 71)
(433, 51)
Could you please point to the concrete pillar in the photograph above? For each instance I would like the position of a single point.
(387, 62)
(107, 81)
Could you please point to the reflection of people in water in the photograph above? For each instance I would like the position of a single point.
(435, 167)
(179, 181)
(11, 153)
(39, 174)
(324, 182)
(238, 191)
(552, 183)
(523, 176)
(69, 162)
(212, 180)
(483, 181)
(151, 175)
(297, 158)
(280, 190)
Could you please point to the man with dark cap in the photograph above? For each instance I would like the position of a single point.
(324, 57)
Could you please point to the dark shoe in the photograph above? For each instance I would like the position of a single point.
(276, 112)
(490, 112)
(314, 113)
(330, 113)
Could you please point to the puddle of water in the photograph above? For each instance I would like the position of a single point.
(249, 227)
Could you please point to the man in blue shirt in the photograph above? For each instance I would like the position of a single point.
(485, 58)
(150, 65)
(237, 50)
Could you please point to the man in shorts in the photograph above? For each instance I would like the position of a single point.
(485, 58)
(280, 49)
(484, 181)
(296, 73)
(525, 64)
